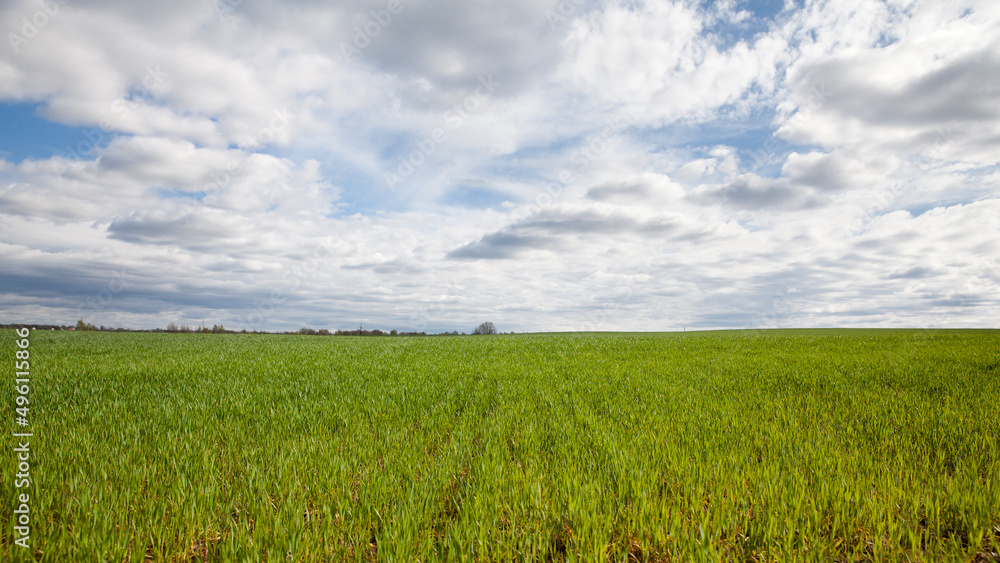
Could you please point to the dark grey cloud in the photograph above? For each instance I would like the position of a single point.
(745, 194)
(439, 49)
(594, 222)
(960, 304)
(965, 90)
(53, 281)
(190, 230)
(889, 244)
(389, 267)
(87, 288)
(915, 273)
(549, 228)
(750, 192)
(824, 172)
(618, 191)
(497, 246)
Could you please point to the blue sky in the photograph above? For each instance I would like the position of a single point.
(601, 165)
(28, 135)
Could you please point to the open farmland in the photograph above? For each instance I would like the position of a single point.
(776, 445)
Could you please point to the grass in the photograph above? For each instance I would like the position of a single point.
(760, 446)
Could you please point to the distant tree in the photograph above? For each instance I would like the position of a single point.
(172, 327)
(80, 325)
(485, 328)
(393, 332)
(218, 329)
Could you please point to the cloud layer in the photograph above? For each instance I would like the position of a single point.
(575, 165)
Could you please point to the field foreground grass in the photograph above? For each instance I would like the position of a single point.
(784, 445)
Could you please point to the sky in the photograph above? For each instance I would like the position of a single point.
(573, 165)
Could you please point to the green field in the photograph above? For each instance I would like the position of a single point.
(761, 446)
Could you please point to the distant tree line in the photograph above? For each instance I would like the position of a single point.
(484, 328)
(216, 329)
(80, 325)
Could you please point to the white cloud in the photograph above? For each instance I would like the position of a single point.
(243, 156)
(654, 59)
